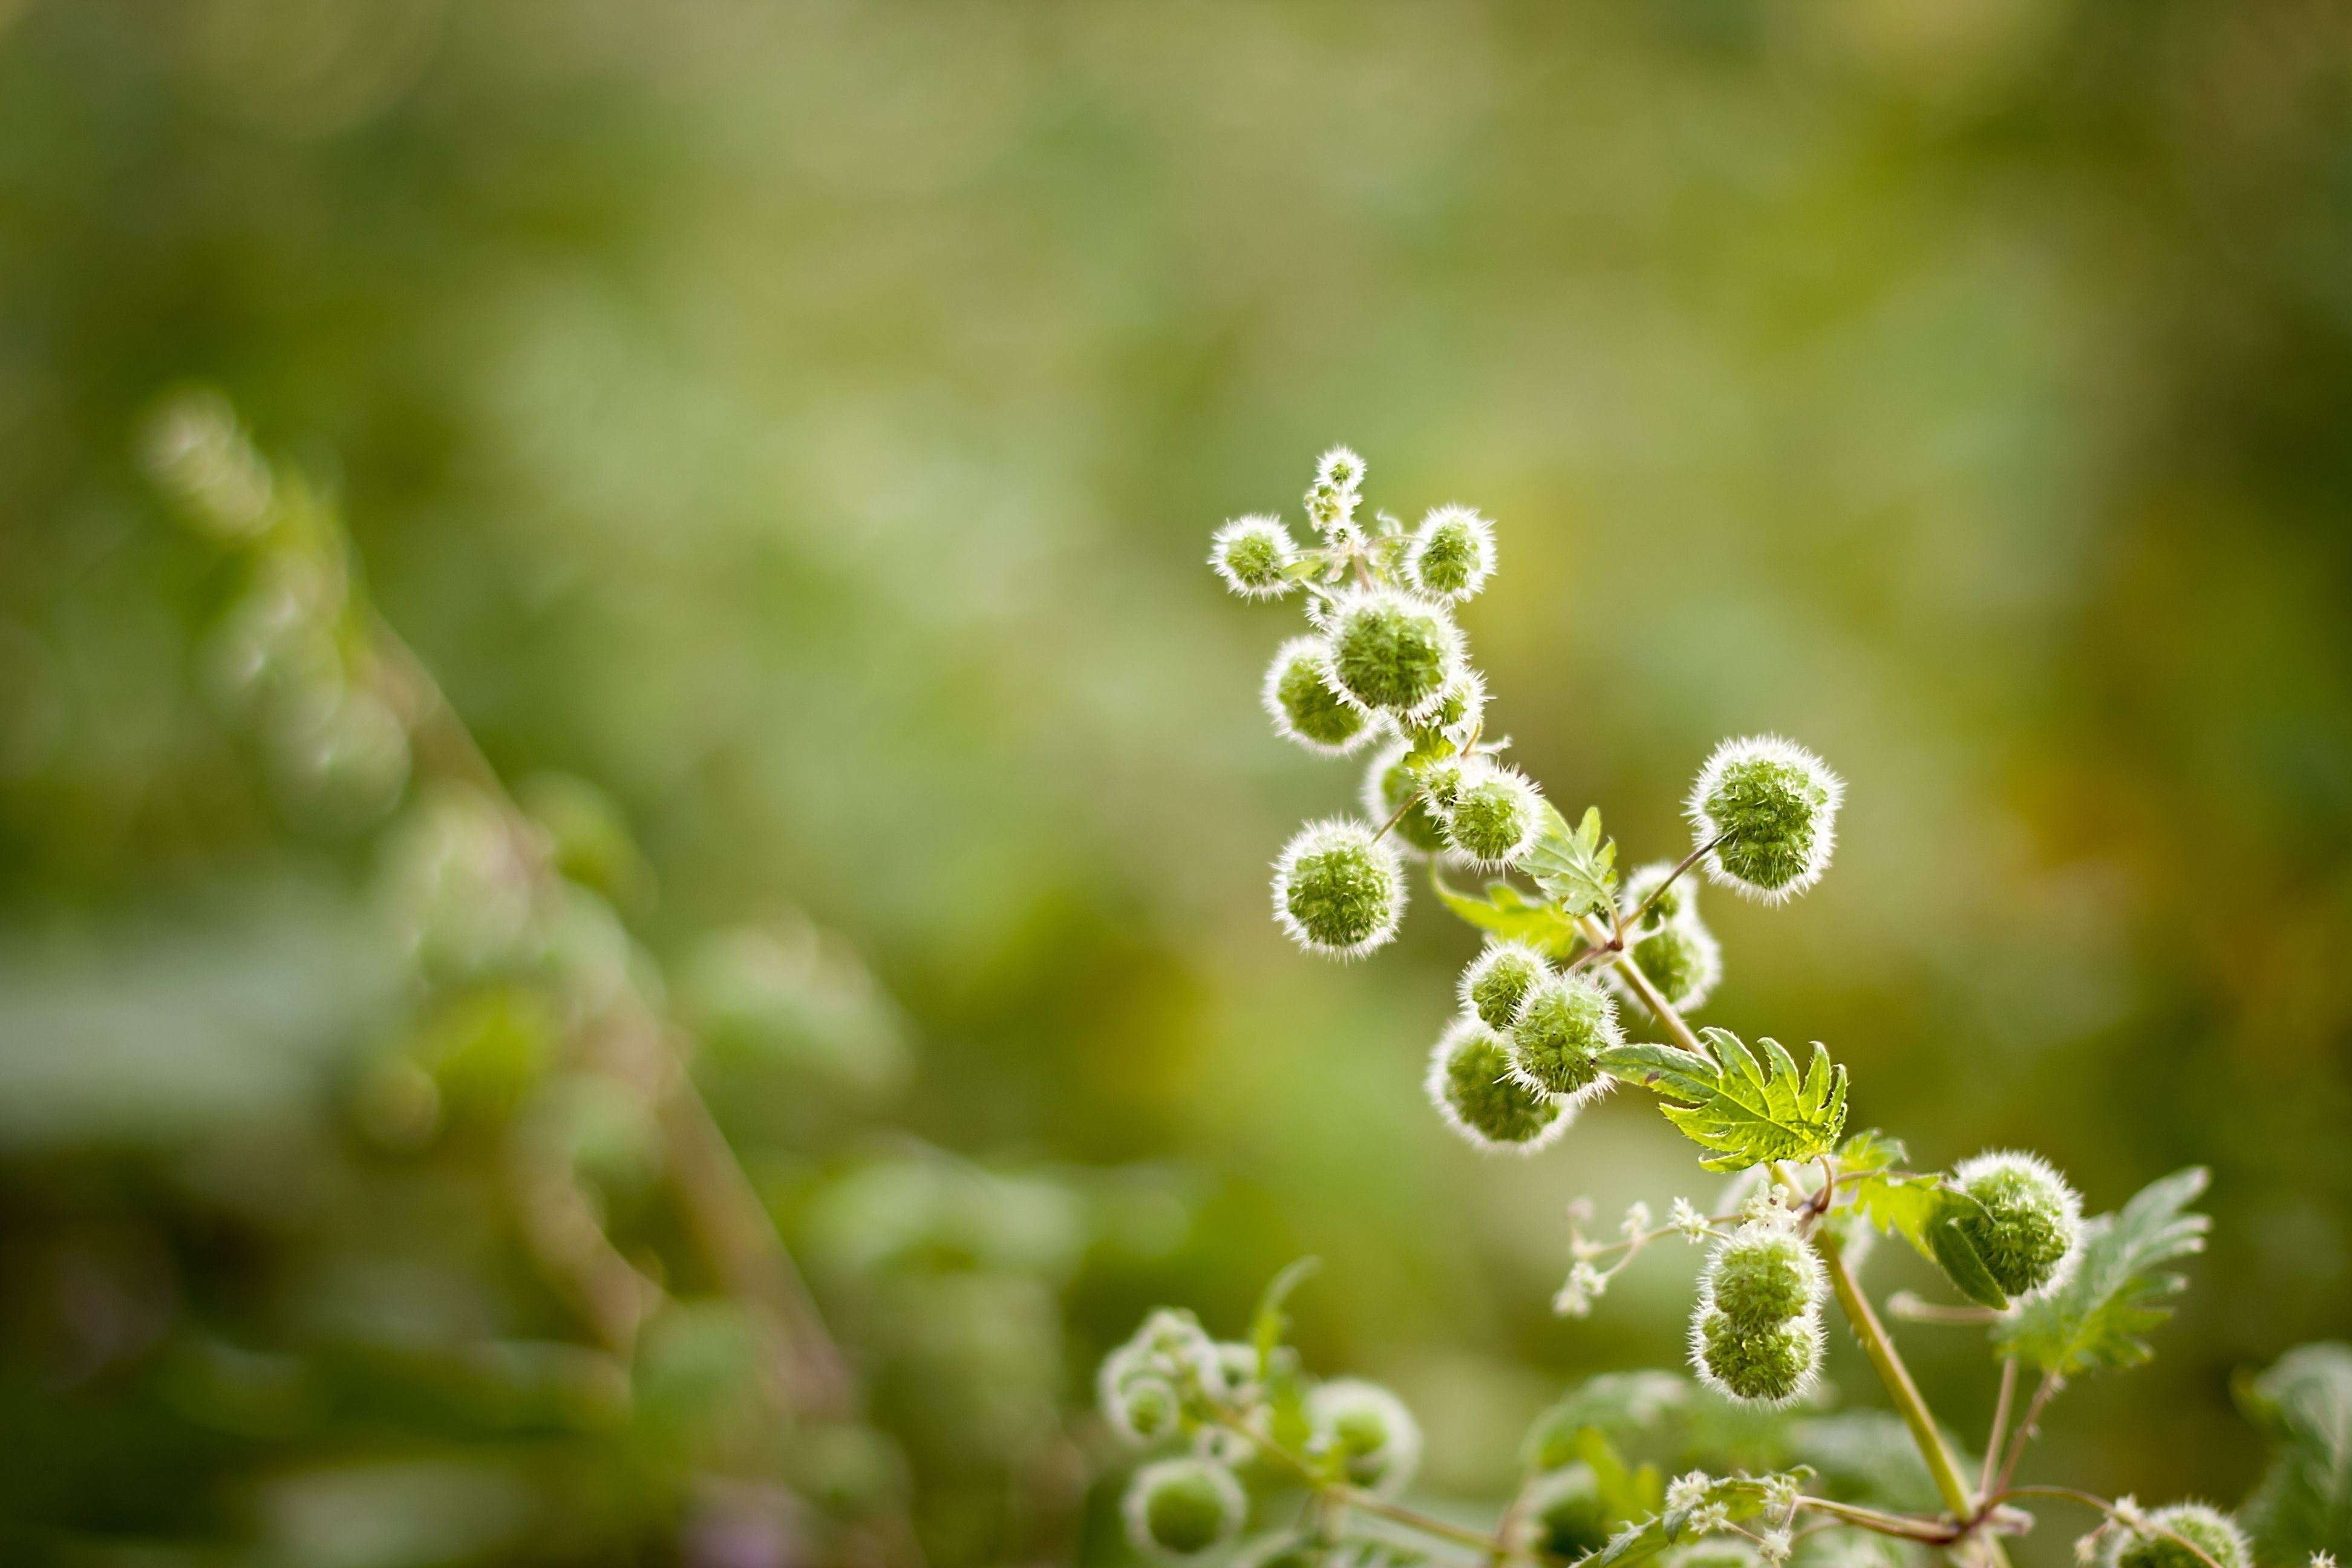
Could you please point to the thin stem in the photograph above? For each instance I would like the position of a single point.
(1913, 1307)
(1396, 816)
(1999, 1425)
(1659, 892)
(1351, 1496)
(1630, 972)
(2027, 1429)
(1936, 1532)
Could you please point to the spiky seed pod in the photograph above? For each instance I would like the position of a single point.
(1563, 1513)
(1181, 1507)
(1773, 804)
(1471, 1084)
(1387, 784)
(1338, 889)
(1761, 1274)
(1300, 700)
(1494, 816)
(1392, 654)
(1680, 899)
(1498, 978)
(1254, 555)
(1452, 553)
(1683, 960)
(1375, 1437)
(1768, 1363)
(1562, 1024)
(2215, 1533)
(1341, 469)
(2031, 1223)
(1461, 706)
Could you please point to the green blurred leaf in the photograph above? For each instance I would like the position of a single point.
(1745, 1112)
(1577, 868)
(1616, 1403)
(1270, 1322)
(1510, 913)
(2116, 1294)
(2304, 1504)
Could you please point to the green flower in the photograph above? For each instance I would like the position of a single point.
(1769, 809)
(1561, 1026)
(1338, 889)
(1305, 709)
(2030, 1223)
(1180, 1507)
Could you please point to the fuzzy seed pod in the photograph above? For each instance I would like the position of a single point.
(1180, 1507)
(1253, 554)
(1680, 899)
(1341, 469)
(1461, 706)
(1564, 1513)
(1768, 1363)
(1471, 1083)
(1683, 960)
(1562, 1024)
(1452, 553)
(2215, 1533)
(1304, 707)
(1338, 890)
(1392, 654)
(1387, 783)
(1498, 979)
(2031, 1223)
(1493, 817)
(1762, 1275)
(1375, 1437)
(1773, 805)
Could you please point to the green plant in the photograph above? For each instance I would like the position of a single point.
(1540, 1034)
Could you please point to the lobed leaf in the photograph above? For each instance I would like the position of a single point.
(1745, 1112)
(2116, 1293)
(1510, 913)
(1924, 1210)
(1577, 868)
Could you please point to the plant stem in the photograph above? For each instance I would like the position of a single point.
(2050, 1385)
(2000, 1425)
(1630, 972)
(1689, 861)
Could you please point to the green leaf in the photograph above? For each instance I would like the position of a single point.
(1508, 912)
(1618, 1404)
(2117, 1291)
(2303, 1505)
(1284, 1393)
(1577, 868)
(1924, 1210)
(1743, 1111)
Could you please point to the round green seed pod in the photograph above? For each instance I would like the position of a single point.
(1773, 1364)
(1683, 960)
(1369, 1428)
(1392, 654)
(1680, 899)
(1452, 553)
(1564, 1514)
(1471, 1083)
(1299, 699)
(1387, 784)
(1181, 1507)
(1338, 889)
(2215, 1533)
(2030, 1223)
(1562, 1024)
(1254, 555)
(1769, 807)
(1498, 979)
(1494, 816)
(1762, 1275)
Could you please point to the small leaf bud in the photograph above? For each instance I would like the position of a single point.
(1254, 555)
(1498, 979)
(1767, 1364)
(1452, 553)
(1304, 708)
(1369, 1428)
(1494, 816)
(1769, 807)
(2215, 1533)
(1471, 1083)
(1683, 960)
(1387, 784)
(1762, 1275)
(1180, 1507)
(1561, 1026)
(2030, 1223)
(1392, 654)
(1337, 890)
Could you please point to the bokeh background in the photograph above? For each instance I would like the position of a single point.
(804, 423)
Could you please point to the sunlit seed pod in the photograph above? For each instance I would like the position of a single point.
(1461, 706)
(1562, 1024)
(2031, 1223)
(1761, 1274)
(1680, 899)
(1493, 816)
(1392, 654)
(1304, 708)
(1769, 1364)
(1368, 1429)
(1332, 510)
(1770, 808)
(1254, 555)
(1561, 1513)
(1683, 960)
(1341, 469)
(1452, 553)
(1339, 890)
(1181, 1507)
(2215, 1533)
(1471, 1083)
(1388, 783)
(1498, 979)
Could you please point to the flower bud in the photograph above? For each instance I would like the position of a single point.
(1180, 1507)
(1387, 784)
(1498, 979)
(1763, 1274)
(1493, 816)
(1254, 554)
(1338, 890)
(1391, 653)
(1304, 708)
(1767, 1364)
(1683, 960)
(2215, 1533)
(2031, 1222)
(1471, 1083)
(1452, 553)
(1769, 807)
(1369, 1428)
(1561, 1026)
(1341, 470)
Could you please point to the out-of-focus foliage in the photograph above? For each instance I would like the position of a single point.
(802, 421)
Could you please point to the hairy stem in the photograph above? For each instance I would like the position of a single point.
(1993, 1439)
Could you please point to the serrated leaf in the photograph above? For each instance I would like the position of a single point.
(1745, 1112)
(1576, 866)
(1510, 913)
(2303, 1505)
(2117, 1290)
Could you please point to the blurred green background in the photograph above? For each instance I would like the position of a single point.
(805, 421)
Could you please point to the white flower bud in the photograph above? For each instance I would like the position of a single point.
(1769, 807)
